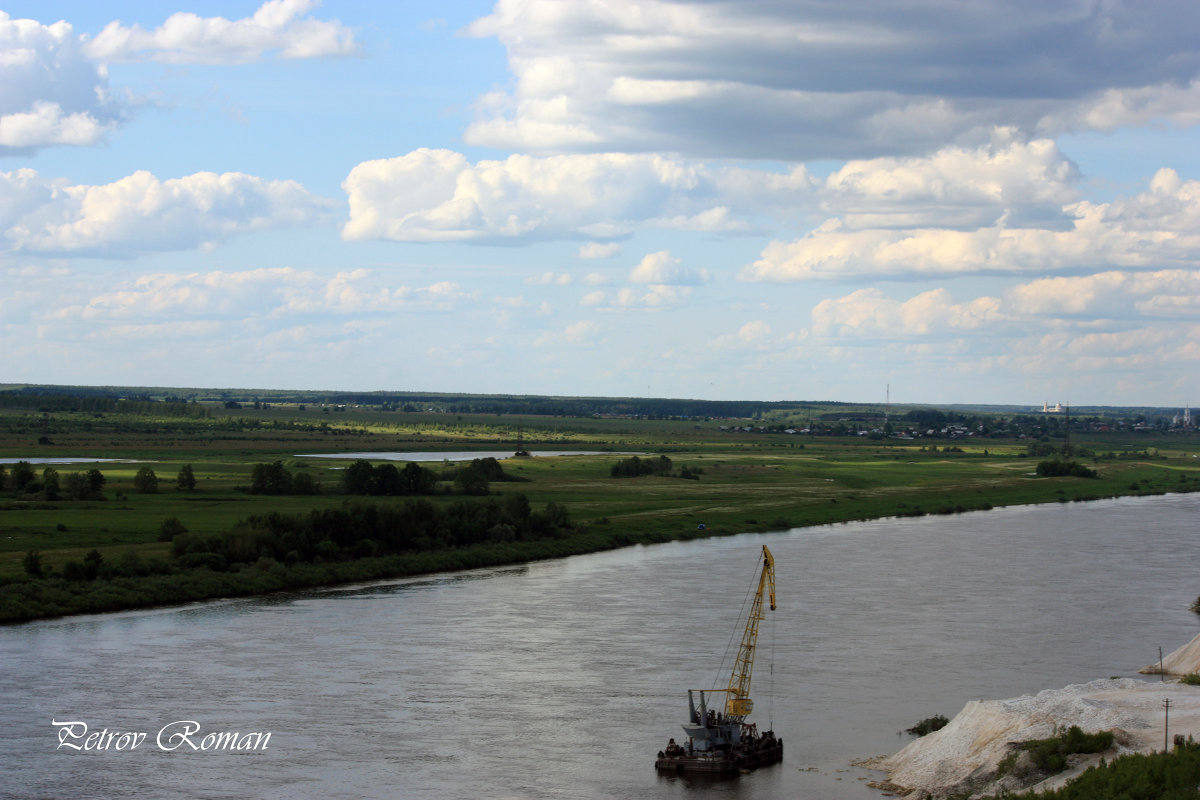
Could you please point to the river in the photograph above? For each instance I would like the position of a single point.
(562, 679)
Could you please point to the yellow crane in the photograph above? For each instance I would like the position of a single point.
(725, 743)
(737, 697)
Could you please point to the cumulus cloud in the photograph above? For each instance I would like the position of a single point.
(1085, 304)
(141, 213)
(868, 313)
(650, 298)
(664, 269)
(54, 94)
(809, 81)
(1113, 295)
(278, 26)
(577, 334)
(258, 293)
(55, 81)
(597, 250)
(955, 187)
(437, 195)
(1153, 229)
(549, 278)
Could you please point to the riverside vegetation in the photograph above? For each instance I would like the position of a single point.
(211, 499)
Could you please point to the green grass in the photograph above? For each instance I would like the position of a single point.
(749, 481)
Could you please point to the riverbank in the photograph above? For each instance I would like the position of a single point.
(26, 598)
(976, 753)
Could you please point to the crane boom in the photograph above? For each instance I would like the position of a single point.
(737, 697)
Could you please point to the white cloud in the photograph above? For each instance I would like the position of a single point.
(649, 298)
(662, 268)
(437, 195)
(868, 313)
(1159, 227)
(257, 294)
(278, 26)
(549, 279)
(56, 83)
(578, 334)
(597, 250)
(955, 187)
(806, 81)
(1112, 295)
(653, 297)
(1102, 304)
(141, 213)
(53, 93)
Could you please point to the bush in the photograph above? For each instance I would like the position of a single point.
(636, 467)
(33, 563)
(1059, 468)
(1050, 755)
(170, 528)
(928, 725)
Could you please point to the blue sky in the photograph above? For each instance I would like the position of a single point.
(983, 202)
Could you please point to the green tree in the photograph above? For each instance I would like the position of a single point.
(22, 475)
(170, 528)
(303, 483)
(359, 477)
(386, 480)
(415, 479)
(50, 484)
(272, 478)
(145, 481)
(96, 481)
(33, 563)
(470, 480)
(3, 477)
(76, 486)
(186, 479)
(91, 564)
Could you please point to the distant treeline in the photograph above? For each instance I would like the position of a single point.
(83, 398)
(100, 404)
(192, 400)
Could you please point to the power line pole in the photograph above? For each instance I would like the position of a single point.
(1166, 721)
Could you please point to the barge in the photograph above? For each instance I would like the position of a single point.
(723, 742)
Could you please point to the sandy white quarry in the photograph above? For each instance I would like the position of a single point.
(964, 756)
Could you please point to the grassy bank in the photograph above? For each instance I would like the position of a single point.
(744, 481)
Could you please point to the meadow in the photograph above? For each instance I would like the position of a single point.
(736, 481)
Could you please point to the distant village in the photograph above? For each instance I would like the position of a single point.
(1052, 420)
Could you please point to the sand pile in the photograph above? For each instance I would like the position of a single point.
(964, 756)
(1183, 661)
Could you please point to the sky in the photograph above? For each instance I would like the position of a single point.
(927, 202)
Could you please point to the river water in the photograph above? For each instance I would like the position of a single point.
(562, 679)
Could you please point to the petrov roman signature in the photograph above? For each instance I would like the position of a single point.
(183, 735)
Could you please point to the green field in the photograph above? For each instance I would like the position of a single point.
(748, 481)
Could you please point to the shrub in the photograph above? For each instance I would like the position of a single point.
(33, 563)
(928, 725)
(1059, 468)
(1050, 755)
(170, 528)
